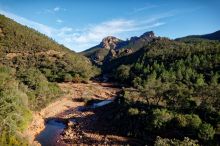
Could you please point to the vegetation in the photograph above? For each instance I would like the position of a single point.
(22, 48)
(176, 88)
(175, 142)
(14, 111)
(174, 91)
(31, 64)
(211, 36)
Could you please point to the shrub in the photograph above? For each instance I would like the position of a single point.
(40, 91)
(193, 121)
(161, 117)
(67, 77)
(11, 140)
(137, 82)
(133, 111)
(175, 142)
(180, 120)
(77, 78)
(122, 73)
(200, 80)
(14, 112)
(206, 132)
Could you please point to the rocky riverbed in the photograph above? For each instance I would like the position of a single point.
(81, 125)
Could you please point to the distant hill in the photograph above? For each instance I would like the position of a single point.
(112, 52)
(211, 36)
(112, 47)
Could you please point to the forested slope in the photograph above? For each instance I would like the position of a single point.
(30, 65)
(174, 92)
(210, 36)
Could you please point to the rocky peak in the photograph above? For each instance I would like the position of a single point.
(109, 42)
(147, 35)
(134, 38)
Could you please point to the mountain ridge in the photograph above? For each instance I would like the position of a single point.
(210, 36)
(112, 47)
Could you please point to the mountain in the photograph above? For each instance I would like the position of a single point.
(170, 86)
(98, 53)
(31, 65)
(170, 90)
(170, 93)
(211, 36)
(112, 47)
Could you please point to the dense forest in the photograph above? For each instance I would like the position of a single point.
(171, 94)
(31, 65)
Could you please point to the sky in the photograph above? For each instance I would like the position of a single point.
(81, 24)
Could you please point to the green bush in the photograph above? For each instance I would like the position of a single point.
(180, 120)
(67, 77)
(161, 117)
(206, 132)
(193, 121)
(40, 91)
(175, 142)
(122, 73)
(133, 111)
(77, 78)
(11, 140)
(137, 82)
(14, 113)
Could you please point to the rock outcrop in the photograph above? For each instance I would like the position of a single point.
(109, 42)
(112, 47)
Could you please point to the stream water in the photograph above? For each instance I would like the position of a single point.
(54, 127)
(50, 134)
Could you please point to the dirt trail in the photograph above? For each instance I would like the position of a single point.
(65, 106)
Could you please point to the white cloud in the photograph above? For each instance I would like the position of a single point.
(93, 34)
(59, 21)
(51, 10)
(83, 38)
(114, 27)
(144, 8)
(56, 9)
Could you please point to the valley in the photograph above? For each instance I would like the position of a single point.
(136, 88)
(82, 126)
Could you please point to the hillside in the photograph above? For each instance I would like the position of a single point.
(31, 64)
(174, 83)
(171, 92)
(25, 47)
(211, 36)
(167, 90)
(112, 47)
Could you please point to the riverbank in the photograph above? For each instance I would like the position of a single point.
(64, 106)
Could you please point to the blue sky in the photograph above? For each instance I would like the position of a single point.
(81, 24)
